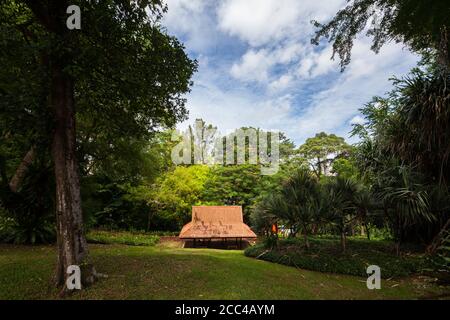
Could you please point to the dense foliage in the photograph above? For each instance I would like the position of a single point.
(323, 256)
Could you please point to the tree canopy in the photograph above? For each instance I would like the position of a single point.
(321, 150)
(422, 25)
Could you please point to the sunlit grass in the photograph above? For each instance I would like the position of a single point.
(168, 272)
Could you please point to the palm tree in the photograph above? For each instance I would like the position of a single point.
(261, 218)
(297, 203)
(363, 201)
(275, 206)
(405, 202)
(419, 133)
(340, 193)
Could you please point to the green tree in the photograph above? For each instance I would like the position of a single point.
(340, 198)
(116, 182)
(344, 167)
(234, 185)
(298, 204)
(178, 190)
(406, 132)
(202, 141)
(261, 218)
(405, 202)
(321, 151)
(121, 71)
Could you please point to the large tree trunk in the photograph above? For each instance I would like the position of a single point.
(71, 241)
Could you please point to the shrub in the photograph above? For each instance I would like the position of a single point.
(440, 261)
(29, 229)
(325, 256)
(27, 216)
(271, 241)
(122, 237)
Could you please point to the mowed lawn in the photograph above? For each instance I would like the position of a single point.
(168, 272)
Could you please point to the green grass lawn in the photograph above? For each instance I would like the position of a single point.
(166, 271)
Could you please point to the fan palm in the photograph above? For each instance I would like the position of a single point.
(297, 204)
(364, 203)
(405, 203)
(418, 133)
(342, 210)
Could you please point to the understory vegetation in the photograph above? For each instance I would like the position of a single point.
(122, 237)
(324, 255)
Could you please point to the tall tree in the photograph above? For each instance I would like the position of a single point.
(321, 150)
(120, 70)
(234, 185)
(404, 152)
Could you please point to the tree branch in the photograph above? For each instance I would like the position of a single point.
(21, 171)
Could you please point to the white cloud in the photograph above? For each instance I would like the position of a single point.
(278, 33)
(254, 66)
(332, 108)
(297, 62)
(260, 22)
(191, 18)
(314, 64)
(357, 120)
(305, 92)
(281, 83)
(231, 110)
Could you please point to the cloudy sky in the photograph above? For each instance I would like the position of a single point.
(258, 68)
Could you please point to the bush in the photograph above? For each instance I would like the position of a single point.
(6, 226)
(270, 241)
(122, 237)
(30, 228)
(27, 216)
(325, 256)
(440, 261)
(164, 233)
(383, 233)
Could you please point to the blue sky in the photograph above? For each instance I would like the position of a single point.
(258, 68)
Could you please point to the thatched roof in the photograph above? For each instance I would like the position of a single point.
(216, 222)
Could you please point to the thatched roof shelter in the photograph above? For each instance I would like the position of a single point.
(221, 222)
